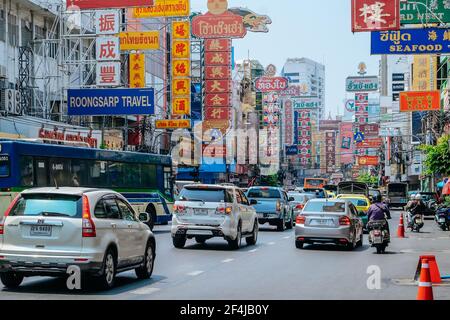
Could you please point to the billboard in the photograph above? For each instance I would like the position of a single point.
(98, 102)
(411, 41)
(164, 8)
(368, 160)
(346, 141)
(173, 124)
(424, 12)
(424, 73)
(420, 101)
(362, 84)
(146, 40)
(306, 103)
(271, 84)
(223, 25)
(105, 4)
(373, 15)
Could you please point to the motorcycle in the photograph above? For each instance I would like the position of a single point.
(442, 218)
(378, 235)
(416, 222)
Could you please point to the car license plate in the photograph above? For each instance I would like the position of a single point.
(201, 212)
(442, 220)
(41, 231)
(199, 232)
(322, 222)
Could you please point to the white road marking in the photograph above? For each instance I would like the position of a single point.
(145, 291)
(195, 273)
(271, 243)
(227, 260)
(288, 237)
(253, 250)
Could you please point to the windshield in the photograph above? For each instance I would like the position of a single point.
(205, 195)
(328, 206)
(314, 182)
(263, 193)
(48, 205)
(298, 197)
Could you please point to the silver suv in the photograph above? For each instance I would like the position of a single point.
(206, 211)
(47, 230)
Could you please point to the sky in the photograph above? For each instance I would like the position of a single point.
(315, 29)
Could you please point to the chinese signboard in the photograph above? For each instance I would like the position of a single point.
(420, 101)
(306, 103)
(104, 4)
(217, 113)
(137, 70)
(358, 84)
(288, 122)
(271, 84)
(418, 12)
(375, 15)
(346, 136)
(164, 8)
(91, 102)
(173, 124)
(108, 74)
(368, 160)
(411, 41)
(146, 40)
(107, 22)
(330, 151)
(107, 49)
(424, 73)
(302, 121)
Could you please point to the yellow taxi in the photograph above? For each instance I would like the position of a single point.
(330, 194)
(361, 202)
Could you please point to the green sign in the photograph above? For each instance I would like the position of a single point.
(425, 11)
(306, 103)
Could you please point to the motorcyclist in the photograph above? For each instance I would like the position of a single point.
(379, 211)
(416, 206)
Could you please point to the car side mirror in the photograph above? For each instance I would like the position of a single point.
(253, 202)
(291, 199)
(144, 217)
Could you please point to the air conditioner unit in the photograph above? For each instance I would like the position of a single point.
(17, 96)
(12, 102)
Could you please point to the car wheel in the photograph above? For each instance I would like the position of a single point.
(290, 223)
(379, 250)
(152, 215)
(281, 226)
(251, 241)
(179, 241)
(145, 272)
(236, 243)
(361, 239)
(107, 279)
(200, 240)
(299, 244)
(11, 280)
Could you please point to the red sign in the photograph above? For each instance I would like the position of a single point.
(218, 86)
(368, 161)
(420, 101)
(271, 84)
(375, 15)
(217, 59)
(214, 150)
(56, 135)
(372, 129)
(217, 100)
(217, 72)
(217, 45)
(370, 143)
(226, 25)
(217, 113)
(107, 4)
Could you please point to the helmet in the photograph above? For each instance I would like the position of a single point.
(377, 198)
(418, 197)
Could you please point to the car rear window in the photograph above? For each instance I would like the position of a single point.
(357, 202)
(49, 205)
(264, 193)
(297, 197)
(206, 195)
(325, 207)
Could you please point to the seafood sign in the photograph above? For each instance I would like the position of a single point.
(148, 40)
(226, 25)
(412, 41)
(271, 84)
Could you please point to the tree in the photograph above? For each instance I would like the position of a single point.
(368, 178)
(437, 158)
(270, 181)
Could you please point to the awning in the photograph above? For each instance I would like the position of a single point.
(446, 190)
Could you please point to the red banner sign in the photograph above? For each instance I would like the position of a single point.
(375, 15)
(370, 143)
(217, 100)
(217, 45)
(217, 72)
(107, 4)
(217, 59)
(217, 113)
(368, 161)
(420, 101)
(271, 84)
(218, 86)
(226, 25)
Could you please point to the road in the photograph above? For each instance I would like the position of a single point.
(273, 269)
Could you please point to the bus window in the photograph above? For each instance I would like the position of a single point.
(26, 171)
(97, 174)
(41, 172)
(148, 174)
(5, 169)
(60, 172)
(168, 181)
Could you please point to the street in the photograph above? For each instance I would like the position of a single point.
(273, 269)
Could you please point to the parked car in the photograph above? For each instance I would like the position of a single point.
(272, 206)
(329, 221)
(202, 212)
(299, 202)
(46, 230)
(362, 204)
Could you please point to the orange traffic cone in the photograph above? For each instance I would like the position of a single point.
(425, 291)
(401, 228)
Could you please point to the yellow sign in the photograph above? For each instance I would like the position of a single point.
(147, 40)
(137, 70)
(181, 87)
(181, 68)
(424, 73)
(173, 124)
(181, 106)
(181, 49)
(164, 8)
(181, 29)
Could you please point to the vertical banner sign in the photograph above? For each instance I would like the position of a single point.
(108, 74)
(107, 22)
(137, 70)
(330, 151)
(424, 73)
(375, 15)
(361, 108)
(181, 68)
(304, 136)
(288, 122)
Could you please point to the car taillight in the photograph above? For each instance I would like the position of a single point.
(224, 210)
(278, 206)
(300, 219)
(88, 226)
(299, 206)
(7, 212)
(179, 209)
(344, 221)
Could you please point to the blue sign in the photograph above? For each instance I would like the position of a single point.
(358, 137)
(291, 150)
(411, 41)
(108, 102)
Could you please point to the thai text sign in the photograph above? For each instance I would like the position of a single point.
(370, 143)
(418, 13)
(173, 124)
(361, 84)
(147, 40)
(306, 103)
(226, 25)
(412, 41)
(291, 150)
(271, 84)
(164, 8)
(420, 101)
(368, 160)
(105, 4)
(92, 102)
(372, 15)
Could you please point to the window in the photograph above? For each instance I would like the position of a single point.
(60, 173)
(97, 173)
(325, 207)
(5, 169)
(244, 198)
(239, 197)
(206, 195)
(127, 212)
(13, 30)
(148, 175)
(100, 211)
(26, 171)
(264, 193)
(112, 210)
(168, 181)
(2, 25)
(48, 205)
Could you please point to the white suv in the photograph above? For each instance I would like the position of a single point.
(47, 230)
(206, 211)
